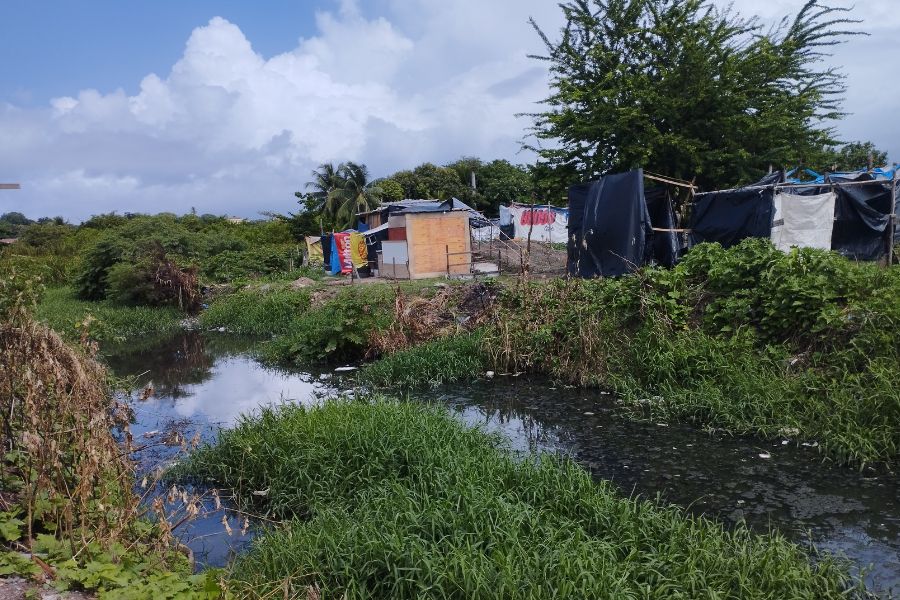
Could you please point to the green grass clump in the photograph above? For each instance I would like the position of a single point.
(454, 358)
(399, 500)
(253, 312)
(63, 312)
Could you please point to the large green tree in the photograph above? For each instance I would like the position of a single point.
(852, 157)
(686, 89)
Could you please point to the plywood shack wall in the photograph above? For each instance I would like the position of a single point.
(430, 235)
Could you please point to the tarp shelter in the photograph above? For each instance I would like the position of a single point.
(540, 223)
(610, 225)
(849, 213)
(729, 216)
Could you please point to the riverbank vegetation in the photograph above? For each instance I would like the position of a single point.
(400, 500)
(747, 340)
(69, 517)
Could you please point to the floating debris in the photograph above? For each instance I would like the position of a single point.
(344, 369)
(765, 455)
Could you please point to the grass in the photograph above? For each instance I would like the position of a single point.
(257, 313)
(63, 312)
(395, 500)
(453, 358)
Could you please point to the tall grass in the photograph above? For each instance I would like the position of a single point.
(747, 339)
(257, 313)
(454, 358)
(65, 313)
(392, 500)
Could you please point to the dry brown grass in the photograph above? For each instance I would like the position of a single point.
(63, 464)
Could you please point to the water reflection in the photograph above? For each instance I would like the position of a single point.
(203, 382)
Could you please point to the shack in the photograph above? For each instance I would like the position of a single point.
(615, 225)
(425, 238)
(852, 213)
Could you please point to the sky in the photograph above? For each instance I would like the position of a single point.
(226, 106)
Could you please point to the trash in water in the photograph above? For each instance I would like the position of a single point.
(489, 374)
(765, 455)
(344, 369)
(588, 413)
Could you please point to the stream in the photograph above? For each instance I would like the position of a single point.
(205, 381)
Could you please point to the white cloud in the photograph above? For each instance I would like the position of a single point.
(230, 131)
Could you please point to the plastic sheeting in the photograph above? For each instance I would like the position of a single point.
(608, 223)
(862, 216)
(662, 246)
(803, 221)
(729, 216)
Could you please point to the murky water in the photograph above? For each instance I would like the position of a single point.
(203, 382)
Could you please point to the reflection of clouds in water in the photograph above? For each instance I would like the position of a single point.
(240, 386)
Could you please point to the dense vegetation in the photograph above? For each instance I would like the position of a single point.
(68, 512)
(749, 340)
(389, 500)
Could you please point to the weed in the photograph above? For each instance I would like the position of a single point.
(453, 358)
(399, 500)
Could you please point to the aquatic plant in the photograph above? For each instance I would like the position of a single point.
(382, 499)
(256, 312)
(103, 321)
(453, 358)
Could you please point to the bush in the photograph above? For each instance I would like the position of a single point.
(337, 331)
(257, 262)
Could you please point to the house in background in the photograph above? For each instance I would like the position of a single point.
(424, 238)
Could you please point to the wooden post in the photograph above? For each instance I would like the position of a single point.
(892, 224)
(447, 250)
(10, 186)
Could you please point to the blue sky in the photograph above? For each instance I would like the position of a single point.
(227, 106)
(51, 48)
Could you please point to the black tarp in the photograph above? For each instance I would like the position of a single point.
(326, 250)
(730, 216)
(662, 246)
(861, 218)
(608, 224)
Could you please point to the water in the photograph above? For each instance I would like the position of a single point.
(203, 382)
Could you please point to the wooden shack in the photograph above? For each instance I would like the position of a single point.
(425, 241)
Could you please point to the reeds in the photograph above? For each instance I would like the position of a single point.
(393, 500)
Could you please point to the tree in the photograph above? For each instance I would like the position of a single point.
(683, 88)
(353, 194)
(338, 194)
(391, 191)
(853, 156)
(501, 182)
(429, 182)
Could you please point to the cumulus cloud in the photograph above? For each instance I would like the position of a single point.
(227, 130)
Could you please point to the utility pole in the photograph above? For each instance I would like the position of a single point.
(10, 186)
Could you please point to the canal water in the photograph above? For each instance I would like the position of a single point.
(202, 382)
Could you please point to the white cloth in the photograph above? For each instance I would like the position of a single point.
(550, 224)
(803, 221)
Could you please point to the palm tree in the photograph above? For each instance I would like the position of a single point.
(341, 192)
(325, 180)
(355, 194)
